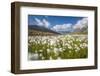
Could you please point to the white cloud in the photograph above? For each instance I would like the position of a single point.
(46, 23)
(81, 23)
(63, 27)
(69, 27)
(43, 22)
(39, 22)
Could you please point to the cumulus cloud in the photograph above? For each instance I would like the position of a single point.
(81, 24)
(42, 22)
(69, 27)
(63, 27)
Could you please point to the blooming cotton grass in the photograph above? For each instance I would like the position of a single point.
(57, 47)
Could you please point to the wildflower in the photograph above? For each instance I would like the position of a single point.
(60, 49)
(57, 44)
(55, 49)
(42, 57)
(48, 50)
(52, 42)
(41, 50)
(50, 58)
(34, 56)
(76, 50)
(59, 58)
(69, 47)
(70, 51)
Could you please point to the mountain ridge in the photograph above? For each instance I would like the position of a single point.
(41, 28)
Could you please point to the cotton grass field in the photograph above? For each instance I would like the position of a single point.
(57, 47)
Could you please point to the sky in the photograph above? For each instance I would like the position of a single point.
(58, 23)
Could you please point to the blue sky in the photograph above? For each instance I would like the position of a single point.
(53, 22)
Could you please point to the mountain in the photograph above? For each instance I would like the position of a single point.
(34, 29)
(82, 30)
(64, 32)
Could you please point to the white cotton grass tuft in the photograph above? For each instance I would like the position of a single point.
(58, 58)
(33, 56)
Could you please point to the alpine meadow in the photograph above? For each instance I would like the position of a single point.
(57, 37)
